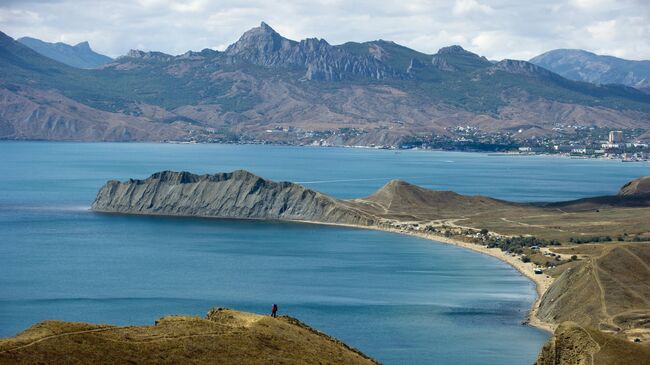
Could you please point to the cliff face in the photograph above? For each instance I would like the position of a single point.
(239, 194)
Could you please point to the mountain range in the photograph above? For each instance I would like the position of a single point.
(79, 55)
(267, 87)
(580, 65)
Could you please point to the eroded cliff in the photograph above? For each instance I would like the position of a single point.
(239, 194)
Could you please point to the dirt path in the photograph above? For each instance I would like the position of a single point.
(46, 338)
(637, 258)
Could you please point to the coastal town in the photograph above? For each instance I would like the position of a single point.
(575, 141)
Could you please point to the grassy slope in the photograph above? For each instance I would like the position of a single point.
(223, 337)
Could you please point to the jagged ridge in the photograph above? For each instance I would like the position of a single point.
(239, 194)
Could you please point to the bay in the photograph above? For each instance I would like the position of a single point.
(402, 300)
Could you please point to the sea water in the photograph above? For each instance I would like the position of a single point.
(399, 299)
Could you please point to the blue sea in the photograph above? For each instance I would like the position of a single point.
(399, 299)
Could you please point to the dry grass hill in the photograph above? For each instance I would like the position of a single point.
(224, 337)
(574, 345)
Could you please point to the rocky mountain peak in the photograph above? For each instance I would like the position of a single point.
(321, 61)
(158, 56)
(83, 46)
(456, 58)
(521, 68)
(455, 50)
(258, 43)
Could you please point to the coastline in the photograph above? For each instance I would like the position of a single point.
(542, 281)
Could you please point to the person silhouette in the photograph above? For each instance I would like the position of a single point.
(274, 310)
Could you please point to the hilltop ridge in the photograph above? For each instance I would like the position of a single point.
(224, 336)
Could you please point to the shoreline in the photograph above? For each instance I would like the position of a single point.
(542, 281)
(261, 143)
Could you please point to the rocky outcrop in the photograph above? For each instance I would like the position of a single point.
(640, 186)
(523, 68)
(238, 194)
(265, 47)
(456, 58)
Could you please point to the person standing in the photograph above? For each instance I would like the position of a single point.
(274, 310)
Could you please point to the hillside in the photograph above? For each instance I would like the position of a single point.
(403, 201)
(608, 290)
(640, 186)
(267, 87)
(574, 345)
(579, 65)
(79, 55)
(224, 336)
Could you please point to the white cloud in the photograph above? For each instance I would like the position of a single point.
(494, 28)
(463, 7)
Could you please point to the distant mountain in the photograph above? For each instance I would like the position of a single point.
(576, 64)
(80, 55)
(270, 88)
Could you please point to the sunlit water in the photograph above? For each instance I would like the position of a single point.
(402, 300)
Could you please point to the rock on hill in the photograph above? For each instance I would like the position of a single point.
(238, 194)
(640, 186)
(79, 55)
(223, 337)
(575, 345)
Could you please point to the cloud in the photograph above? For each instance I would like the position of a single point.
(463, 7)
(496, 29)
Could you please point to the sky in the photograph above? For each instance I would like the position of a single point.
(497, 29)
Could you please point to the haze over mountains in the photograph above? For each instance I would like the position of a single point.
(576, 64)
(79, 55)
(267, 87)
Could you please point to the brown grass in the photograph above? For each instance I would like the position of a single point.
(223, 337)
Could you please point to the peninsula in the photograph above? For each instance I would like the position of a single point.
(574, 251)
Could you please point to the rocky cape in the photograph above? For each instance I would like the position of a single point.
(265, 87)
(238, 194)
